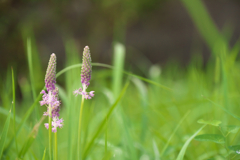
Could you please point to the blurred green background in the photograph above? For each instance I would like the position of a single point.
(156, 30)
(186, 52)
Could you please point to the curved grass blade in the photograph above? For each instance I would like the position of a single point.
(111, 67)
(30, 140)
(175, 130)
(184, 148)
(25, 117)
(4, 133)
(100, 128)
(225, 110)
(44, 153)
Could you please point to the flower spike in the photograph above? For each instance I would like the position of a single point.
(50, 99)
(86, 74)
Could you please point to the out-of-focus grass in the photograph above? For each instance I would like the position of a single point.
(156, 118)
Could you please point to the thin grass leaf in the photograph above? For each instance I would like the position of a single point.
(25, 117)
(30, 66)
(224, 109)
(101, 126)
(156, 151)
(14, 109)
(203, 21)
(30, 139)
(4, 133)
(142, 89)
(111, 67)
(175, 130)
(184, 148)
(118, 63)
(44, 153)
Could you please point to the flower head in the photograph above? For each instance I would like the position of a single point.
(50, 99)
(86, 73)
(50, 77)
(86, 67)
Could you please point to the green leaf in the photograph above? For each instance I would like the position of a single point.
(111, 67)
(234, 148)
(101, 126)
(210, 122)
(24, 119)
(230, 128)
(217, 138)
(4, 133)
(44, 153)
(32, 136)
(173, 133)
(184, 148)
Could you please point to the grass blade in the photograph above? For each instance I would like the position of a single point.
(4, 133)
(25, 117)
(14, 109)
(224, 109)
(44, 153)
(175, 130)
(100, 128)
(184, 148)
(30, 140)
(111, 67)
(30, 66)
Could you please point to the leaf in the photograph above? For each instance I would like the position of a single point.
(4, 133)
(231, 128)
(235, 148)
(89, 146)
(32, 136)
(111, 67)
(173, 133)
(184, 148)
(43, 158)
(217, 138)
(224, 109)
(210, 122)
(24, 119)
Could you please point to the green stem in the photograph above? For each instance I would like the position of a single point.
(79, 129)
(56, 149)
(50, 129)
(106, 135)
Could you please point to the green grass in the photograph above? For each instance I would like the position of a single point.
(149, 116)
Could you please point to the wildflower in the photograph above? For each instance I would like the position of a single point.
(238, 152)
(50, 99)
(86, 73)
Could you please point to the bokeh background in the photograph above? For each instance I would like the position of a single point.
(182, 56)
(153, 31)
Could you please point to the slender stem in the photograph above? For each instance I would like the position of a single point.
(106, 135)
(79, 129)
(55, 148)
(50, 127)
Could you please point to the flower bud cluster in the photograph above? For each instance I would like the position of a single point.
(86, 73)
(50, 99)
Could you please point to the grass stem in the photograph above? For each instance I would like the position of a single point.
(79, 129)
(55, 148)
(50, 129)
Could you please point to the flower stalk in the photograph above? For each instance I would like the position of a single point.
(86, 73)
(51, 101)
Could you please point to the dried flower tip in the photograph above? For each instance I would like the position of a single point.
(86, 67)
(50, 77)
